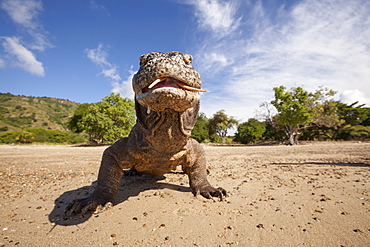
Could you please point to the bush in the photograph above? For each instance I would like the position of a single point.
(358, 132)
(200, 130)
(42, 136)
(215, 138)
(19, 121)
(9, 137)
(4, 128)
(251, 131)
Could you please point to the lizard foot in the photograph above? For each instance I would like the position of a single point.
(82, 206)
(209, 192)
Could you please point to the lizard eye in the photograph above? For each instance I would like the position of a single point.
(143, 59)
(187, 59)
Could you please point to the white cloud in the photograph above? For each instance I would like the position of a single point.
(217, 15)
(212, 62)
(25, 14)
(112, 73)
(125, 87)
(97, 7)
(308, 44)
(99, 56)
(354, 95)
(22, 57)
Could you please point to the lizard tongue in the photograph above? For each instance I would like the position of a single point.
(180, 84)
(183, 85)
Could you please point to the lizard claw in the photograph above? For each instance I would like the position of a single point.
(209, 192)
(82, 206)
(100, 208)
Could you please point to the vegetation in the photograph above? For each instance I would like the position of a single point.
(18, 112)
(220, 124)
(75, 122)
(27, 119)
(38, 135)
(200, 131)
(307, 116)
(292, 115)
(106, 121)
(25, 137)
(251, 131)
(298, 109)
(213, 129)
(354, 122)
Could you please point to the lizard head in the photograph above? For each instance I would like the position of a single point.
(167, 81)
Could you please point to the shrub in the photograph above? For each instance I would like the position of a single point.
(25, 137)
(42, 136)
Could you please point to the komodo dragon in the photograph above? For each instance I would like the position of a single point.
(167, 103)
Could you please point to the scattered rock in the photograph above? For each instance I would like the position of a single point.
(260, 226)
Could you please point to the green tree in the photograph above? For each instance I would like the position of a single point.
(251, 131)
(107, 120)
(298, 109)
(220, 123)
(75, 122)
(267, 113)
(294, 111)
(325, 108)
(352, 114)
(366, 122)
(360, 132)
(325, 115)
(353, 117)
(200, 131)
(272, 133)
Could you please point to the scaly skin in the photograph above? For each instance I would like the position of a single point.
(160, 140)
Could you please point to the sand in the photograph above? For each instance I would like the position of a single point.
(315, 194)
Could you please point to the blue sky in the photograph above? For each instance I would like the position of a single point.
(83, 50)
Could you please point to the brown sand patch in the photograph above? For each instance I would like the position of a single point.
(315, 194)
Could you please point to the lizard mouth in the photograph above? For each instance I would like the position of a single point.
(168, 93)
(170, 82)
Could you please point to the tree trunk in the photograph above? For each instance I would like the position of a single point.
(292, 135)
(291, 140)
(223, 138)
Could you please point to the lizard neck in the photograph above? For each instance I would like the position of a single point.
(166, 131)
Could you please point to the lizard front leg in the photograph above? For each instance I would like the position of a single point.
(197, 172)
(110, 174)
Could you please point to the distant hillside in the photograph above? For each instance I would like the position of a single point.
(18, 112)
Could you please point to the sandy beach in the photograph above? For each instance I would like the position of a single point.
(314, 194)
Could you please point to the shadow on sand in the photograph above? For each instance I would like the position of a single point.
(130, 186)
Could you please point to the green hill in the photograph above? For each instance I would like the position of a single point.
(18, 112)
